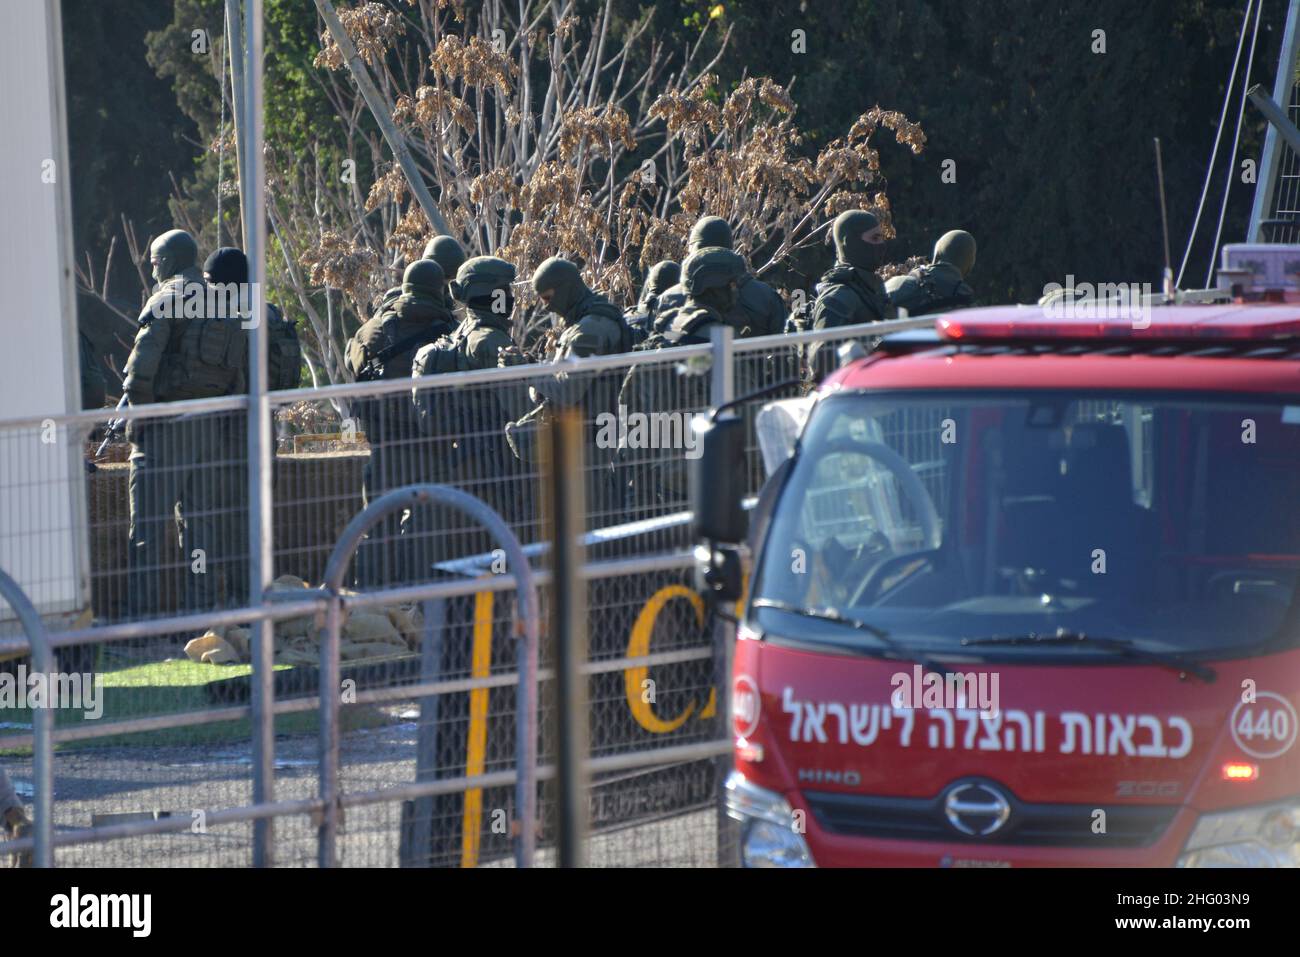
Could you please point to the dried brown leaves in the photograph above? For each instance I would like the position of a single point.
(475, 63)
(373, 29)
(338, 262)
(597, 128)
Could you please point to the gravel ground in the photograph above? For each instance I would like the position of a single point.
(178, 779)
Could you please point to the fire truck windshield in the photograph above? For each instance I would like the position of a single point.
(1164, 520)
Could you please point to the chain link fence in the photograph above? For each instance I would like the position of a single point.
(156, 764)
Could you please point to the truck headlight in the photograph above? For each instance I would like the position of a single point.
(1263, 836)
(767, 834)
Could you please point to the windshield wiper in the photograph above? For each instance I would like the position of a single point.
(1123, 646)
(892, 650)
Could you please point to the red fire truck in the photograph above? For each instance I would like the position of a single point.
(1025, 591)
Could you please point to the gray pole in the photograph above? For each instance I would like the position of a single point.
(235, 49)
(565, 484)
(722, 390)
(1269, 161)
(260, 460)
(379, 109)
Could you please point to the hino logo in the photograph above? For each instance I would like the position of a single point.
(818, 776)
(976, 808)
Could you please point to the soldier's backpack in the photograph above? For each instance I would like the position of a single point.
(603, 308)
(638, 322)
(923, 295)
(284, 352)
(206, 356)
(373, 368)
(437, 358)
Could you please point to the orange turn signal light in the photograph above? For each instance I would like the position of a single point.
(1240, 771)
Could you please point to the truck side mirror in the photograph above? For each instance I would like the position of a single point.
(718, 575)
(718, 479)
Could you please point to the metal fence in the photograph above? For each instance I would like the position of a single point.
(435, 736)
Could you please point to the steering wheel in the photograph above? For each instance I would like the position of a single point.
(871, 586)
(912, 487)
(897, 465)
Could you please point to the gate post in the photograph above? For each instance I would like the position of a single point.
(723, 390)
(526, 635)
(42, 723)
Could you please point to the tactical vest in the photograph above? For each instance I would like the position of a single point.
(205, 356)
(683, 327)
(370, 361)
(760, 304)
(930, 292)
(598, 305)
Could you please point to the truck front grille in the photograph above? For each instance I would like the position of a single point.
(1042, 825)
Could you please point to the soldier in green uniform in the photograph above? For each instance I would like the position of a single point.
(758, 309)
(466, 427)
(448, 254)
(711, 277)
(661, 277)
(850, 292)
(384, 348)
(226, 273)
(591, 326)
(941, 285)
(181, 351)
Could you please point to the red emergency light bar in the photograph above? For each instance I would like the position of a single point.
(1237, 321)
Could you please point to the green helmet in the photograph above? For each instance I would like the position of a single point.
(956, 247)
(661, 276)
(446, 252)
(481, 276)
(848, 232)
(173, 252)
(709, 231)
(563, 281)
(711, 268)
(424, 279)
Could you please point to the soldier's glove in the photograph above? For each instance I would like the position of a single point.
(17, 826)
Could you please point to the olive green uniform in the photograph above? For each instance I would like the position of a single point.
(941, 284)
(711, 276)
(176, 464)
(594, 326)
(384, 348)
(466, 425)
(759, 309)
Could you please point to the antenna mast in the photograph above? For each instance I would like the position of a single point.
(1164, 224)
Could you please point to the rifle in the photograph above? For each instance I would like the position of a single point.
(113, 431)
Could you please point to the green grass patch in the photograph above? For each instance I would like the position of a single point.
(178, 685)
